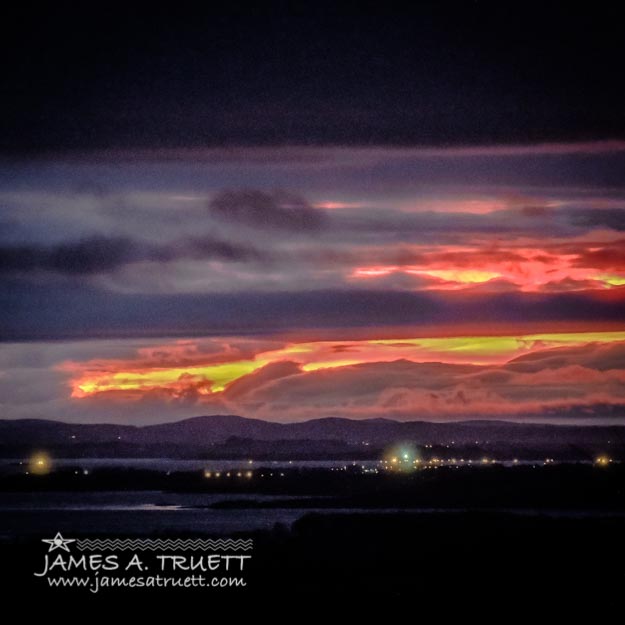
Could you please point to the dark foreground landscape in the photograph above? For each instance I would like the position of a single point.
(496, 537)
(484, 517)
(487, 561)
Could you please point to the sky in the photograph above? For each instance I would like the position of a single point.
(299, 214)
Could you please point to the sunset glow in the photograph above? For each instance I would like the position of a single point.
(465, 276)
(148, 371)
(292, 284)
(205, 378)
(521, 268)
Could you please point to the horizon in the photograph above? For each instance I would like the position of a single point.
(494, 420)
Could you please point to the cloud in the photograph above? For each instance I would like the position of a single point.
(92, 255)
(279, 210)
(594, 356)
(555, 379)
(609, 256)
(580, 381)
(249, 383)
(34, 311)
(314, 155)
(613, 218)
(101, 254)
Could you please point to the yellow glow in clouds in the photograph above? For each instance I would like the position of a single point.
(137, 377)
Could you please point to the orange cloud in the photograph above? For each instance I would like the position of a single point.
(434, 375)
(527, 269)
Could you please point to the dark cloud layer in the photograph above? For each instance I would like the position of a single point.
(613, 218)
(92, 255)
(100, 254)
(40, 312)
(284, 212)
(279, 209)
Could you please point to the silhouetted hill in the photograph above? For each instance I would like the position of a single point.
(222, 434)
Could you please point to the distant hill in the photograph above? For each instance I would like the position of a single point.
(213, 432)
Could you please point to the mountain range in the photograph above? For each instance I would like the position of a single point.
(230, 435)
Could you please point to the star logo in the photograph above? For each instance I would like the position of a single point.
(58, 542)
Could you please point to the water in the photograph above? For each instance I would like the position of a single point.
(155, 512)
(131, 513)
(152, 513)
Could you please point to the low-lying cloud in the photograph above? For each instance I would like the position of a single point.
(280, 210)
(101, 254)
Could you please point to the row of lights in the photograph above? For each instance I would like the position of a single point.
(218, 474)
(601, 460)
(41, 464)
(246, 474)
(439, 461)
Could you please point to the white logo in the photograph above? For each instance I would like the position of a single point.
(58, 542)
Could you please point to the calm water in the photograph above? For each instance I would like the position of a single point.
(154, 512)
(130, 512)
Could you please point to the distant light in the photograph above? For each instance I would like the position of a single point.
(239, 474)
(603, 461)
(208, 474)
(248, 474)
(406, 456)
(40, 463)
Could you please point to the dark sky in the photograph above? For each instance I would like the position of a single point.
(442, 73)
